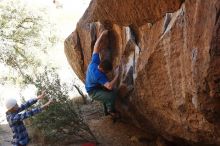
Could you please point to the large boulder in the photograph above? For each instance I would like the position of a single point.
(170, 54)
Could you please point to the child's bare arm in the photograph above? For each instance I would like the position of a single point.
(43, 93)
(99, 42)
(47, 104)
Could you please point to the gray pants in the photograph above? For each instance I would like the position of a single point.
(106, 97)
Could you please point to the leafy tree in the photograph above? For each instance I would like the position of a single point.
(25, 35)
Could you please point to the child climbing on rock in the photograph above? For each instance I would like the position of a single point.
(97, 84)
(15, 118)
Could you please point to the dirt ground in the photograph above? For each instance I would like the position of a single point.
(106, 131)
(5, 135)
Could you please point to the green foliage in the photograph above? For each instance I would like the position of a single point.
(63, 117)
(25, 34)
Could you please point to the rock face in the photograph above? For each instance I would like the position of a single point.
(170, 71)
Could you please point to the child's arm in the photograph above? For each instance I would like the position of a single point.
(99, 42)
(27, 114)
(27, 104)
(31, 102)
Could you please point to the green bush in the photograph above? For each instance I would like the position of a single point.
(63, 117)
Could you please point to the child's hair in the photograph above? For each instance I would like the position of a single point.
(106, 65)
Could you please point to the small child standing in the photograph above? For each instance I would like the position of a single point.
(15, 118)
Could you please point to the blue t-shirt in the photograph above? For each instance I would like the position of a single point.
(94, 77)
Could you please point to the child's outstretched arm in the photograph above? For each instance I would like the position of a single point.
(46, 104)
(31, 102)
(27, 114)
(99, 42)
